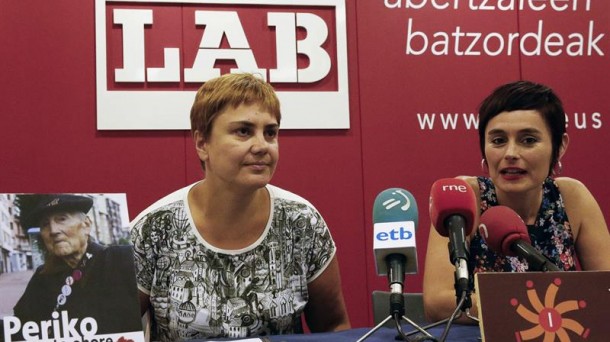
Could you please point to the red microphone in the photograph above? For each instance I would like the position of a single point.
(452, 210)
(450, 197)
(505, 233)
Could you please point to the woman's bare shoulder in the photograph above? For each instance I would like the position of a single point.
(472, 181)
(571, 187)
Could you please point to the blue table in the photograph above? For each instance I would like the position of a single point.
(457, 333)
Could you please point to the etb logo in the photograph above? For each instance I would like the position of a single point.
(152, 56)
(394, 234)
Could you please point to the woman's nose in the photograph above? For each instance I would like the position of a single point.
(512, 150)
(260, 143)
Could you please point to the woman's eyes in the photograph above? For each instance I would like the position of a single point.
(246, 131)
(243, 131)
(272, 133)
(528, 140)
(498, 140)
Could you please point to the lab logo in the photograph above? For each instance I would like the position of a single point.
(547, 316)
(152, 56)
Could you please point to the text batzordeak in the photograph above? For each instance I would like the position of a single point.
(536, 43)
(541, 42)
(60, 328)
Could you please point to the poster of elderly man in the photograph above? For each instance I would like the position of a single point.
(75, 248)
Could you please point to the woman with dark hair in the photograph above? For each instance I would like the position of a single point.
(522, 136)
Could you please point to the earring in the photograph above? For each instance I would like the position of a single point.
(557, 169)
(484, 166)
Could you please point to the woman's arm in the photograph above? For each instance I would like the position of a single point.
(588, 225)
(440, 300)
(325, 310)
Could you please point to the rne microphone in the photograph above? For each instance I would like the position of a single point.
(505, 233)
(394, 221)
(452, 212)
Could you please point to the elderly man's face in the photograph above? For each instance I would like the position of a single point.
(65, 234)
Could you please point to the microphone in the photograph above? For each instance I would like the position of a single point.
(452, 211)
(505, 233)
(394, 221)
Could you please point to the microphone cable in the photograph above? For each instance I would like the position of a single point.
(418, 338)
(455, 315)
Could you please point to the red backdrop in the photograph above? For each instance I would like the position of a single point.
(49, 140)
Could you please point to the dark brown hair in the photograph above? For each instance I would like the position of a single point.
(525, 95)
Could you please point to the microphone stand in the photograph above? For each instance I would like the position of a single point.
(464, 303)
(397, 310)
(396, 276)
(463, 306)
(429, 326)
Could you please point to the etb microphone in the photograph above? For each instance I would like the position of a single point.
(505, 233)
(452, 211)
(394, 221)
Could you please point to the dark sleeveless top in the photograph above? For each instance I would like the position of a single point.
(551, 234)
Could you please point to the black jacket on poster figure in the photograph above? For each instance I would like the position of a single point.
(106, 292)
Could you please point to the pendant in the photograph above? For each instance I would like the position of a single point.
(66, 290)
(61, 299)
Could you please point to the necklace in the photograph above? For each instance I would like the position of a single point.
(77, 274)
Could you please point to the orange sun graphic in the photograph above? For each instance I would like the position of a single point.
(548, 316)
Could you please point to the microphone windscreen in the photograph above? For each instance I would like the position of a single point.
(395, 205)
(452, 196)
(395, 218)
(500, 227)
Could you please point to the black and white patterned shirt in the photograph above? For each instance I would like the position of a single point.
(200, 291)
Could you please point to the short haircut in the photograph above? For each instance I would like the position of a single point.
(525, 95)
(231, 91)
